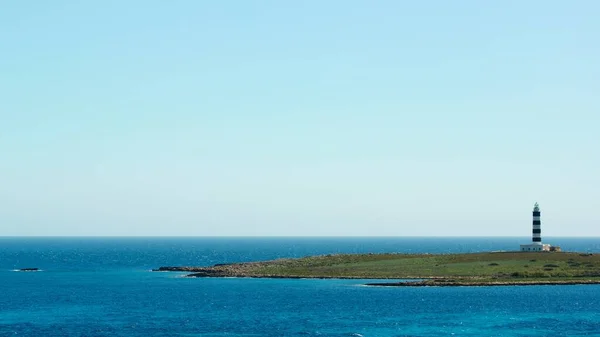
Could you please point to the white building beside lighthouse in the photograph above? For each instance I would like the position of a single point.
(536, 244)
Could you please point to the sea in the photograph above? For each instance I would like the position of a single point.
(104, 286)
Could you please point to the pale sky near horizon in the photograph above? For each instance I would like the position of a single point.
(299, 118)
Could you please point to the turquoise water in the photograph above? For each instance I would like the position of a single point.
(103, 287)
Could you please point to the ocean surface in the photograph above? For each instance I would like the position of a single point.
(104, 287)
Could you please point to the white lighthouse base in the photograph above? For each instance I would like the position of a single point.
(536, 247)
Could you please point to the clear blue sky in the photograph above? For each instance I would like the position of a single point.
(299, 117)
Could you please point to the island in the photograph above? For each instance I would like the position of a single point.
(469, 269)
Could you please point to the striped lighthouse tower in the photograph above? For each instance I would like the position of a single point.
(536, 237)
(537, 224)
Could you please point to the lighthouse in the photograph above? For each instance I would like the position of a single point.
(537, 224)
(536, 244)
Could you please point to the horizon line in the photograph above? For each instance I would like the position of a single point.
(284, 236)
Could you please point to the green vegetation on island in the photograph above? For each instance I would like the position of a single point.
(493, 268)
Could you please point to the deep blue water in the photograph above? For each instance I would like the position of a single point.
(103, 287)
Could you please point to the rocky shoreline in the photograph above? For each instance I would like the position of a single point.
(454, 283)
(231, 270)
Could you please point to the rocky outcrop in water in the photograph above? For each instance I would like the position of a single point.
(182, 269)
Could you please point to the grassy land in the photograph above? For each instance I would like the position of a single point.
(475, 267)
(481, 265)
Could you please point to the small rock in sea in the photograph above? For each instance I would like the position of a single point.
(29, 269)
